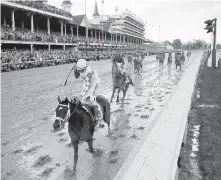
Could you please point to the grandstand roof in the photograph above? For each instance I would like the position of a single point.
(108, 27)
(66, 2)
(96, 26)
(82, 20)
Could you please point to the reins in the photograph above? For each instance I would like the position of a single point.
(68, 115)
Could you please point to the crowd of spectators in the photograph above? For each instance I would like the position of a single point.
(21, 34)
(43, 6)
(13, 59)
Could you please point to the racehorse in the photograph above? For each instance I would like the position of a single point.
(161, 58)
(178, 61)
(119, 79)
(188, 54)
(142, 59)
(81, 124)
(130, 59)
(169, 60)
(137, 66)
(157, 58)
(182, 58)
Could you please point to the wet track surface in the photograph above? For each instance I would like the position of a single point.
(32, 150)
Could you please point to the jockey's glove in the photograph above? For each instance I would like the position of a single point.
(80, 98)
(92, 98)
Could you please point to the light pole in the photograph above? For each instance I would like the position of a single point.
(209, 27)
(85, 7)
(102, 24)
(162, 35)
(86, 30)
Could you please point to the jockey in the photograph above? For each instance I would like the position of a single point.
(169, 59)
(122, 67)
(182, 56)
(90, 84)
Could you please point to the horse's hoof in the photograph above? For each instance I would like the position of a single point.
(97, 153)
(73, 172)
(68, 172)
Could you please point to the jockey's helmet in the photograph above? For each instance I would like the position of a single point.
(81, 64)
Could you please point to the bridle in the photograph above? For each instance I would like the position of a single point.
(68, 115)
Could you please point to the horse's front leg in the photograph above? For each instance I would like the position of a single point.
(118, 95)
(125, 91)
(114, 89)
(75, 146)
(90, 145)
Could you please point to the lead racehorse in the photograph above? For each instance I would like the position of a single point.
(81, 124)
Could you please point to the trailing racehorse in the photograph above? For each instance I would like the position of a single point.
(137, 66)
(81, 124)
(161, 58)
(178, 61)
(119, 78)
(182, 58)
(157, 58)
(130, 59)
(169, 62)
(188, 54)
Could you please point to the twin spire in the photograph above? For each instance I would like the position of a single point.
(96, 13)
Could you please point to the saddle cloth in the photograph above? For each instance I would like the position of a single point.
(90, 109)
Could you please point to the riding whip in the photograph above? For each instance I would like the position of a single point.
(69, 74)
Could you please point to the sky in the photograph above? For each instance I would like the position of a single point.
(178, 19)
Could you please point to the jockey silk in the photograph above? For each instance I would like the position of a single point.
(90, 84)
(121, 67)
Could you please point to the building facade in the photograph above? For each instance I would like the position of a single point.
(128, 28)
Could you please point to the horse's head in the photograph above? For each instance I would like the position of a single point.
(62, 113)
(130, 58)
(117, 59)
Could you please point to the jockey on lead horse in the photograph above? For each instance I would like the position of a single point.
(90, 84)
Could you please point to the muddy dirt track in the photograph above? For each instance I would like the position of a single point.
(32, 150)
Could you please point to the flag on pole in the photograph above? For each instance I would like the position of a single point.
(102, 1)
(116, 8)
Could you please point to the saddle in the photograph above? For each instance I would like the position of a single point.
(88, 108)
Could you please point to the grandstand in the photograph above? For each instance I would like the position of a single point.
(126, 28)
(34, 33)
(37, 23)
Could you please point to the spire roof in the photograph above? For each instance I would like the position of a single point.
(96, 13)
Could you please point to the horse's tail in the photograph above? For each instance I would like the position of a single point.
(104, 103)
